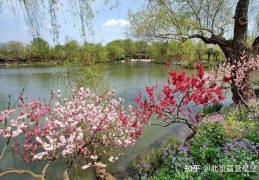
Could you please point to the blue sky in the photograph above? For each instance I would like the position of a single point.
(108, 24)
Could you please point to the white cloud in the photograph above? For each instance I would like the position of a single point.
(117, 22)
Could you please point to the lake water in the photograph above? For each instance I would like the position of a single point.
(126, 78)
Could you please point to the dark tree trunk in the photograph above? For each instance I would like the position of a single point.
(241, 48)
(103, 174)
(255, 47)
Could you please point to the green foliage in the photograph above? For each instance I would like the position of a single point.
(40, 48)
(244, 114)
(74, 53)
(72, 50)
(205, 146)
(150, 164)
(58, 52)
(158, 51)
(15, 49)
(240, 153)
(129, 48)
(189, 64)
(115, 50)
(212, 109)
(251, 132)
(176, 159)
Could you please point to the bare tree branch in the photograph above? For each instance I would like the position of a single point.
(196, 14)
(218, 40)
(215, 14)
(5, 147)
(16, 171)
(44, 170)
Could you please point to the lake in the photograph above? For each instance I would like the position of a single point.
(126, 78)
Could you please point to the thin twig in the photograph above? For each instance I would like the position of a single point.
(3, 152)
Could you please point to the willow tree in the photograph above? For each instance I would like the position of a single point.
(220, 22)
(50, 14)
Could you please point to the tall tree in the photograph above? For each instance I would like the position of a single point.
(72, 50)
(158, 50)
(100, 54)
(40, 48)
(128, 46)
(115, 50)
(208, 20)
(58, 52)
(16, 49)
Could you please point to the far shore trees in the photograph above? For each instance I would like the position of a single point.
(86, 53)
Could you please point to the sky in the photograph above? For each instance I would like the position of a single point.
(109, 23)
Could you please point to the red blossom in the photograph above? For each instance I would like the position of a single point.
(226, 79)
(176, 97)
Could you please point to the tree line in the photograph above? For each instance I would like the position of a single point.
(40, 50)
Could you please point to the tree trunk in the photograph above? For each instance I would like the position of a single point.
(236, 49)
(255, 47)
(240, 47)
(103, 174)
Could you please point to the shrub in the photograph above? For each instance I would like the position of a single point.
(245, 114)
(205, 147)
(251, 132)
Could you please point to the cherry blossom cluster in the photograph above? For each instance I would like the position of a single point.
(89, 127)
(178, 99)
(243, 67)
(237, 72)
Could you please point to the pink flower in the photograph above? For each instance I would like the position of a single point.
(80, 125)
(99, 164)
(86, 166)
(111, 159)
(93, 157)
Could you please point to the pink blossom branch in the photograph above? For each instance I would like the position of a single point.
(242, 99)
(69, 165)
(72, 125)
